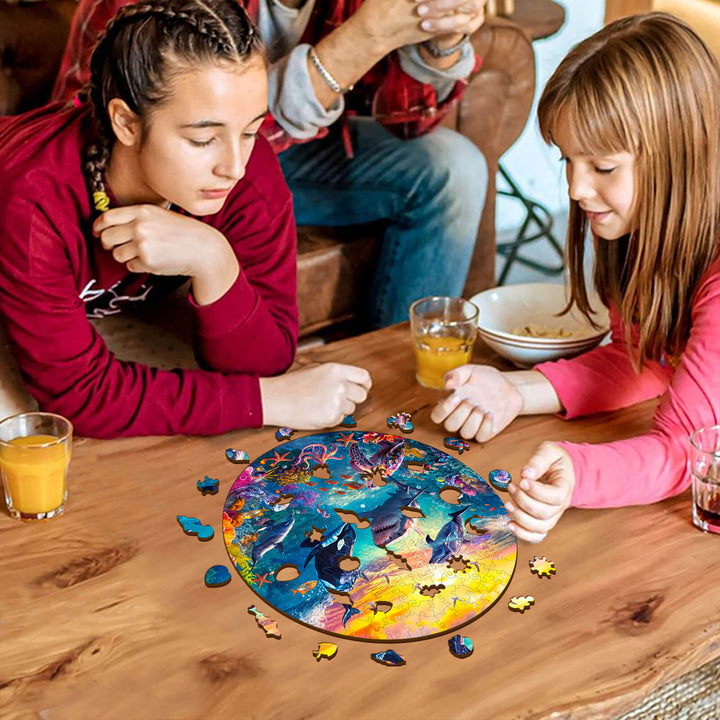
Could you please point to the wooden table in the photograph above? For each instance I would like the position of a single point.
(104, 613)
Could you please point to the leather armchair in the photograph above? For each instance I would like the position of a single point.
(334, 264)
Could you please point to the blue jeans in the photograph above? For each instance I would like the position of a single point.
(431, 189)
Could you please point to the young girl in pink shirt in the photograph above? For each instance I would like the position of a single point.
(159, 178)
(635, 112)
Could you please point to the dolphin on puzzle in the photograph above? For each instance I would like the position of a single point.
(272, 537)
(388, 523)
(450, 538)
(327, 555)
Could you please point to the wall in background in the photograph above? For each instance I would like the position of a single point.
(534, 166)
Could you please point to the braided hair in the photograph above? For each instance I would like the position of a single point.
(135, 56)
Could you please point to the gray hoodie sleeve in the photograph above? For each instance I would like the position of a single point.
(442, 80)
(292, 97)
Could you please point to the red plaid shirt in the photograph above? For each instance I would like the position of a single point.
(404, 105)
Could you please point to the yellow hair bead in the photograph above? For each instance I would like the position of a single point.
(101, 200)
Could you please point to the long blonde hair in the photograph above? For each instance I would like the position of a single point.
(649, 86)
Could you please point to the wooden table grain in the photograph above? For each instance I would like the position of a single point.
(104, 612)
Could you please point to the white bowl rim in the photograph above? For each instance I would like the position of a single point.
(561, 343)
(532, 341)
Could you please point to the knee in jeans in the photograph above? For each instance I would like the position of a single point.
(458, 167)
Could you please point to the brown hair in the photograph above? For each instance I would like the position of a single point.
(143, 45)
(646, 85)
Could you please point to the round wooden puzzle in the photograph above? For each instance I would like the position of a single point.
(369, 536)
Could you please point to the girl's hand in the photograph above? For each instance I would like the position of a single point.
(483, 402)
(314, 397)
(543, 494)
(150, 239)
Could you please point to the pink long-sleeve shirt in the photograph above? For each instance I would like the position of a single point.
(653, 466)
(54, 275)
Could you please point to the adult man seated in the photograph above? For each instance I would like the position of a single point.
(357, 89)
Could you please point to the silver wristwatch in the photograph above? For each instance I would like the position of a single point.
(438, 52)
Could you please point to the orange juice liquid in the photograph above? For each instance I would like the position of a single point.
(35, 476)
(436, 355)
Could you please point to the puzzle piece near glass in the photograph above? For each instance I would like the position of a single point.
(401, 421)
(388, 561)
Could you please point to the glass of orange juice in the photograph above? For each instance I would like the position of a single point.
(443, 331)
(35, 450)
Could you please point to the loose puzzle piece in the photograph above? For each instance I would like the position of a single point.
(269, 627)
(542, 566)
(217, 576)
(461, 647)
(456, 444)
(284, 433)
(348, 421)
(389, 658)
(401, 421)
(237, 456)
(192, 526)
(325, 650)
(208, 486)
(522, 603)
(499, 479)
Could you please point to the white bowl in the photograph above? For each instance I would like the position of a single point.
(504, 309)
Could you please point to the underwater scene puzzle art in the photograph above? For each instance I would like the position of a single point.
(348, 532)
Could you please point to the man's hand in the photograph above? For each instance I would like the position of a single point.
(449, 20)
(543, 494)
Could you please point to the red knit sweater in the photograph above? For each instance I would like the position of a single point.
(54, 273)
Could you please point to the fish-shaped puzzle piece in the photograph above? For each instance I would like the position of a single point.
(208, 486)
(499, 479)
(349, 422)
(457, 444)
(217, 576)
(325, 650)
(284, 433)
(389, 658)
(268, 626)
(401, 421)
(521, 603)
(192, 526)
(461, 647)
(237, 456)
(542, 566)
